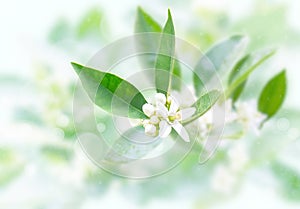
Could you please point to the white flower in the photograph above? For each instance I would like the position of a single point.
(148, 109)
(250, 116)
(172, 117)
(238, 157)
(164, 116)
(223, 180)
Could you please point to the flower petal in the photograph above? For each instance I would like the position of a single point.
(174, 106)
(162, 110)
(164, 129)
(150, 130)
(188, 112)
(181, 131)
(159, 97)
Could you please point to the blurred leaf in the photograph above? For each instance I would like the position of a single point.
(164, 61)
(60, 31)
(111, 93)
(203, 104)
(56, 154)
(289, 180)
(10, 167)
(90, 24)
(239, 90)
(9, 174)
(273, 95)
(222, 54)
(28, 115)
(248, 66)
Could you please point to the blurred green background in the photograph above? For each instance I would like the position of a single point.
(43, 167)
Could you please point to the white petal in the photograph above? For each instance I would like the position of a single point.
(162, 110)
(159, 97)
(181, 131)
(150, 129)
(164, 129)
(188, 112)
(148, 109)
(174, 106)
(154, 119)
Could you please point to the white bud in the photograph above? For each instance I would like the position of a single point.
(150, 129)
(159, 97)
(154, 119)
(148, 109)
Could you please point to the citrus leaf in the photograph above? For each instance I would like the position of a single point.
(148, 42)
(131, 145)
(111, 93)
(164, 61)
(273, 94)
(221, 55)
(203, 104)
(232, 76)
(248, 65)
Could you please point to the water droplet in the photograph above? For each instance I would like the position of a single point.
(101, 127)
(283, 124)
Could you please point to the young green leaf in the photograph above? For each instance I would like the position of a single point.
(111, 93)
(145, 23)
(248, 65)
(232, 76)
(147, 41)
(273, 95)
(203, 104)
(164, 62)
(219, 57)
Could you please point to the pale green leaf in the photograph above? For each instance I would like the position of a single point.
(164, 61)
(219, 57)
(250, 64)
(203, 104)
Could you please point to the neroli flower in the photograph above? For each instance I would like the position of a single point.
(165, 115)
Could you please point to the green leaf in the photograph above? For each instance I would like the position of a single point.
(164, 61)
(289, 180)
(147, 41)
(248, 65)
(233, 75)
(131, 145)
(111, 93)
(273, 95)
(219, 57)
(145, 23)
(203, 104)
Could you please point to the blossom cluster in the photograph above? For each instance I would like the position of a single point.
(164, 115)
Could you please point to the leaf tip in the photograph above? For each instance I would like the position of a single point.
(77, 67)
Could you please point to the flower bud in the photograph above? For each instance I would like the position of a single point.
(148, 109)
(159, 97)
(150, 129)
(154, 119)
